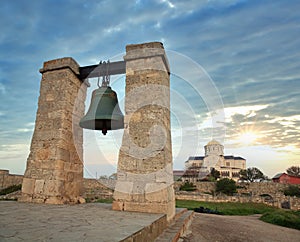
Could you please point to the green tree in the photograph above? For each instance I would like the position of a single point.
(215, 173)
(292, 190)
(293, 171)
(226, 186)
(188, 186)
(252, 174)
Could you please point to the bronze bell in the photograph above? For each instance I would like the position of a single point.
(104, 112)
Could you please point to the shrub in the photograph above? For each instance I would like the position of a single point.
(11, 189)
(188, 186)
(292, 190)
(226, 186)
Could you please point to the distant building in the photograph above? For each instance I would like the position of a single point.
(286, 179)
(198, 167)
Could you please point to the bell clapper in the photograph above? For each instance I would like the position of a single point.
(104, 128)
(104, 131)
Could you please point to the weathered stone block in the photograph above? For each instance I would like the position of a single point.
(54, 200)
(39, 186)
(62, 154)
(59, 164)
(28, 185)
(70, 176)
(59, 175)
(57, 64)
(156, 192)
(47, 164)
(25, 198)
(146, 207)
(118, 205)
(124, 187)
(37, 199)
(73, 189)
(122, 196)
(54, 188)
(42, 154)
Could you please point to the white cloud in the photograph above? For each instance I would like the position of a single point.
(169, 3)
(113, 29)
(248, 111)
(285, 121)
(24, 130)
(217, 118)
(12, 147)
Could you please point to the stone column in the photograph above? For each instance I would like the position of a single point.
(145, 173)
(54, 172)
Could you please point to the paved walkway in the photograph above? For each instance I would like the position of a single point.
(209, 227)
(84, 222)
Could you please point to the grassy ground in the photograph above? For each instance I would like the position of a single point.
(227, 208)
(286, 218)
(108, 200)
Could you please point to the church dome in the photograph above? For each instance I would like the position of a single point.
(213, 142)
(213, 148)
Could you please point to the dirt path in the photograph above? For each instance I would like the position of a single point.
(208, 227)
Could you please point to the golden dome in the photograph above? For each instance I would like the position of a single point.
(213, 142)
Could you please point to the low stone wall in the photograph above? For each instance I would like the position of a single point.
(274, 201)
(255, 188)
(206, 187)
(259, 188)
(93, 189)
(7, 180)
(98, 189)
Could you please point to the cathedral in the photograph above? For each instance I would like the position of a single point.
(198, 167)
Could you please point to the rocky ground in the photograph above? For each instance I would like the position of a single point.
(209, 227)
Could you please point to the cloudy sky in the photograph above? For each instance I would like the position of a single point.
(235, 68)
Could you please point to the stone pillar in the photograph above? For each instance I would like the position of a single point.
(54, 172)
(145, 173)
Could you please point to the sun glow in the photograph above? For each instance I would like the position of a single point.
(247, 138)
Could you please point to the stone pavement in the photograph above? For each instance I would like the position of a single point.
(84, 222)
(211, 227)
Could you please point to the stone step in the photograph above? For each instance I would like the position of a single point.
(178, 227)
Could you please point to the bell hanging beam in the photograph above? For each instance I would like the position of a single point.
(115, 68)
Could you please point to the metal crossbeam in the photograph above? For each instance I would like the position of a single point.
(112, 68)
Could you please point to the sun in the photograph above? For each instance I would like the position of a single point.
(247, 138)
